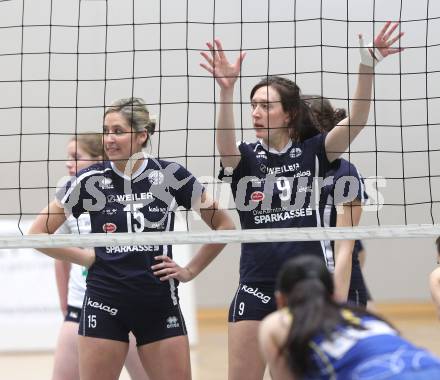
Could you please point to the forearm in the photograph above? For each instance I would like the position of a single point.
(62, 271)
(370, 57)
(343, 267)
(346, 131)
(73, 255)
(225, 74)
(47, 222)
(217, 220)
(341, 136)
(434, 286)
(225, 133)
(349, 217)
(204, 256)
(361, 102)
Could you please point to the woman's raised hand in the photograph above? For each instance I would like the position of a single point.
(218, 65)
(382, 45)
(385, 39)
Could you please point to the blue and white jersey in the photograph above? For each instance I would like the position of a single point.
(117, 203)
(373, 352)
(343, 184)
(275, 189)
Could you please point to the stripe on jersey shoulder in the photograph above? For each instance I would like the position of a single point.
(328, 250)
(328, 254)
(172, 208)
(239, 142)
(326, 364)
(171, 282)
(79, 179)
(362, 189)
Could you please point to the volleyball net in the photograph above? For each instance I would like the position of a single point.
(63, 63)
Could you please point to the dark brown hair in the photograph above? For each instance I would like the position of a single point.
(303, 124)
(325, 114)
(308, 287)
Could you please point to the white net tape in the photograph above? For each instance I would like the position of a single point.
(236, 236)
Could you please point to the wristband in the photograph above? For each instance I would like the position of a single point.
(369, 56)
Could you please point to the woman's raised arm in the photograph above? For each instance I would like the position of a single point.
(226, 75)
(341, 136)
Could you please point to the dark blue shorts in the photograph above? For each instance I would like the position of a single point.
(73, 314)
(357, 294)
(149, 320)
(252, 302)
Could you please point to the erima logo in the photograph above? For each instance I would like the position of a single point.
(73, 314)
(109, 211)
(106, 183)
(99, 305)
(261, 154)
(172, 322)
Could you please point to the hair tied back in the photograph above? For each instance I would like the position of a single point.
(151, 126)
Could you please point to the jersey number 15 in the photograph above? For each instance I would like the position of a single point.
(132, 212)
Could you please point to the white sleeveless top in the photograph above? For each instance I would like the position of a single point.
(78, 274)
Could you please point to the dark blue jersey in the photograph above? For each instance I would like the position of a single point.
(276, 190)
(117, 203)
(343, 184)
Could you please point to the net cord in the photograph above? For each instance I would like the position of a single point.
(225, 236)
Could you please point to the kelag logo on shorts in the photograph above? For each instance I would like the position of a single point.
(99, 305)
(172, 322)
(255, 292)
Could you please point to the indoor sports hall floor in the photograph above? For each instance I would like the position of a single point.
(417, 322)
